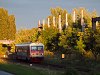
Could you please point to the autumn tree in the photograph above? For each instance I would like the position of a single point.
(3, 23)
(12, 27)
(26, 35)
(80, 44)
(50, 38)
(96, 43)
(59, 11)
(7, 25)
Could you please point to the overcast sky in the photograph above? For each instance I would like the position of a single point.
(28, 12)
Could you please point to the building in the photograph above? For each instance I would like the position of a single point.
(6, 41)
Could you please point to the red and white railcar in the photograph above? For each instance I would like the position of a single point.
(33, 52)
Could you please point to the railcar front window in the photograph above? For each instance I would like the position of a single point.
(40, 47)
(33, 48)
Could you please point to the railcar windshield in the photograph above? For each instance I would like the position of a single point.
(40, 47)
(36, 47)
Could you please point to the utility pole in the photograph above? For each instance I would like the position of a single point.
(60, 28)
(66, 20)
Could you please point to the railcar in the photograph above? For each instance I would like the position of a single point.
(33, 52)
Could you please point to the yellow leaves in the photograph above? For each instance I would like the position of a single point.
(48, 53)
(25, 35)
(7, 25)
(2, 61)
(89, 54)
(80, 34)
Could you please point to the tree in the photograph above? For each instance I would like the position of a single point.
(59, 11)
(96, 44)
(7, 25)
(4, 23)
(50, 38)
(12, 27)
(26, 35)
(80, 44)
(88, 39)
(87, 16)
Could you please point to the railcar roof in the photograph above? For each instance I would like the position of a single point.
(30, 44)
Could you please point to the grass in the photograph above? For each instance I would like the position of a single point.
(19, 70)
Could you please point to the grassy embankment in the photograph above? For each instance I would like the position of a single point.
(18, 69)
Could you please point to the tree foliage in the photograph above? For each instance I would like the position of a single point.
(50, 38)
(96, 43)
(7, 25)
(26, 35)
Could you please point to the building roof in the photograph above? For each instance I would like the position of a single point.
(6, 41)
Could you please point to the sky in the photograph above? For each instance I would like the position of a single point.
(28, 12)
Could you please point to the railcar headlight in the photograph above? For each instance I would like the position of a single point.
(41, 53)
(4, 56)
